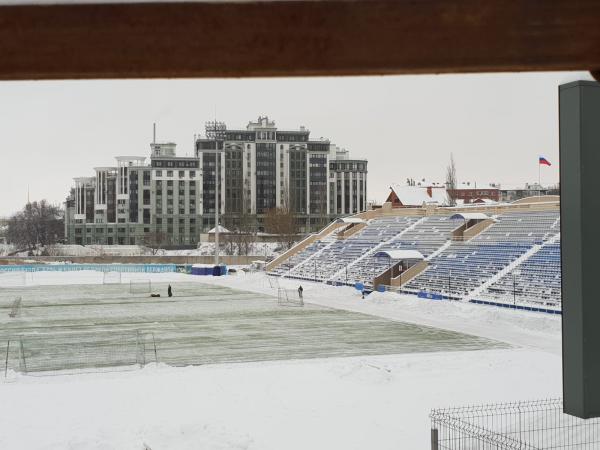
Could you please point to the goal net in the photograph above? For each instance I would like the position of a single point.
(273, 282)
(287, 297)
(111, 278)
(13, 279)
(140, 287)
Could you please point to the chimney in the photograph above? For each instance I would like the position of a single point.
(429, 191)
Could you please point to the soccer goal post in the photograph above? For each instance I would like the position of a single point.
(287, 297)
(111, 278)
(140, 286)
(273, 282)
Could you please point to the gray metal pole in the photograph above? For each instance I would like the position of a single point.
(514, 290)
(6, 363)
(434, 439)
(579, 125)
(216, 200)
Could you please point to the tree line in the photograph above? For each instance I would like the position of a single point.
(37, 225)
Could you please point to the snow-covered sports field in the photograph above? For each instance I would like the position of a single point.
(341, 372)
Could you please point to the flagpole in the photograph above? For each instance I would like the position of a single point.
(539, 179)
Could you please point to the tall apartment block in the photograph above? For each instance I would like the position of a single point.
(259, 169)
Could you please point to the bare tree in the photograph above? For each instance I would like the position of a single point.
(242, 230)
(39, 224)
(282, 222)
(155, 241)
(451, 181)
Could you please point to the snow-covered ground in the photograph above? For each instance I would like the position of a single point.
(263, 249)
(374, 402)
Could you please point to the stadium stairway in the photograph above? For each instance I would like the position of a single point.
(317, 254)
(446, 244)
(509, 268)
(537, 278)
(309, 240)
(376, 249)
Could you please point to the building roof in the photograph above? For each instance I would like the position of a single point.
(470, 216)
(130, 158)
(222, 229)
(400, 254)
(419, 195)
(350, 220)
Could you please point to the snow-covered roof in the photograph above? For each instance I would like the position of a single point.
(222, 229)
(419, 195)
(470, 216)
(350, 220)
(400, 254)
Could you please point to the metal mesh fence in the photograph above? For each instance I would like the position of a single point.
(129, 268)
(77, 351)
(531, 425)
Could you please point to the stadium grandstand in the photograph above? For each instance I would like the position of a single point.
(505, 254)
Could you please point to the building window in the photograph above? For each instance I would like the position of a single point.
(181, 173)
(159, 173)
(169, 173)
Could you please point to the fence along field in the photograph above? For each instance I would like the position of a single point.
(527, 425)
(104, 325)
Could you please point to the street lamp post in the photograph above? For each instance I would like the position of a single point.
(514, 275)
(217, 155)
(216, 130)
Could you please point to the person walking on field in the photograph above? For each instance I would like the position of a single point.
(170, 291)
(300, 290)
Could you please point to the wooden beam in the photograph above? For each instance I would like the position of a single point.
(294, 38)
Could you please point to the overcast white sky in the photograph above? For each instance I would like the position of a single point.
(496, 125)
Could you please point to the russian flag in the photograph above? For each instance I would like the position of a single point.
(544, 161)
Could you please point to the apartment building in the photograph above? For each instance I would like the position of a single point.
(173, 199)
